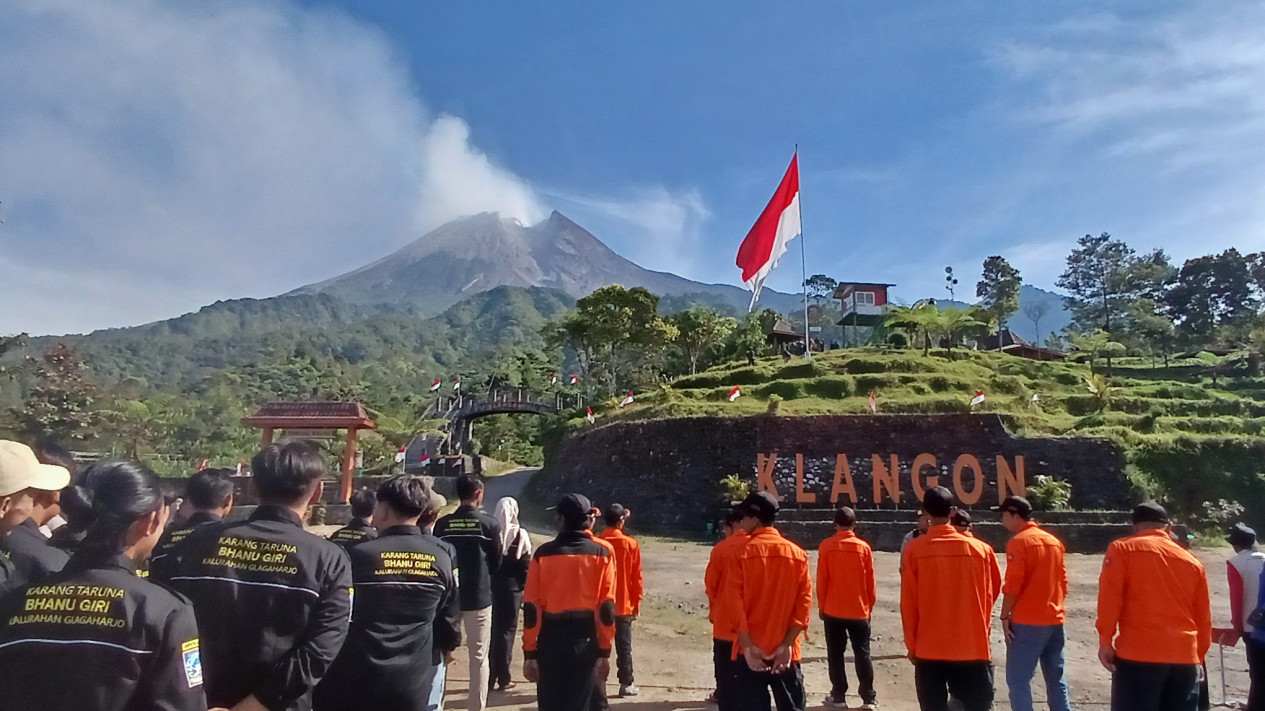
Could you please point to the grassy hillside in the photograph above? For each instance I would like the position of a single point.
(1190, 440)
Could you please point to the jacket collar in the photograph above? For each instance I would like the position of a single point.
(468, 508)
(31, 526)
(845, 535)
(401, 530)
(612, 532)
(91, 561)
(359, 523)
(270, 512)
(943, 530)
(764, 531)
(200, 517)
(572, 536)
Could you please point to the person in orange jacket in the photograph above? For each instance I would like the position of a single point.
(722, 565)
(845, 596)
(1154, 617)
(769, 602)
(569, 611)
(629, 588)
(949, 584)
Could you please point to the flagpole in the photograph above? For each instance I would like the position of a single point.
(803, 260)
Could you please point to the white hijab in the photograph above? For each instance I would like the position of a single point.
(512, 534)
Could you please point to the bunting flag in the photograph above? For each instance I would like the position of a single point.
(575, 380)
(772, 232)
(202, 465)
(873, 404)
(435, 385)
(554, 379)
(425, 460)
(979, 398)
(590, 416)
(628, 400)
(399, 456)
(456, 385)
(735, 393)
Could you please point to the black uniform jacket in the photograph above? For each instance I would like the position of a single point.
(405, 603)
(273, 604)
(477, 538)
(166, 558)
(95, 636)
(9, 578)
(32, 554)
(358, 531)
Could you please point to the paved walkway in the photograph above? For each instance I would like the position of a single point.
(509, 484)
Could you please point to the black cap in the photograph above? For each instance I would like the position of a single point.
(614, 513)
(937, 502)
(760, 504)
(960, 519)
(1016, 505)
(574, 508)
(1241, 535)
(1149, 512)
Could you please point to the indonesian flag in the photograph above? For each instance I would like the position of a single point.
(735, 393)
(628, 400)
(769, 236)
(554, 379)
(575, 380)
(979, 397)
(435, 385)
(240, 466)
(202, 465)
(873, 404)
(456, 384)
(1035, 398)
(425, 460)
(399, 456)
(590, 416)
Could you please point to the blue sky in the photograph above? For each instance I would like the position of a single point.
(157, 156)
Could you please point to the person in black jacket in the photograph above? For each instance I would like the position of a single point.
(96, 636)
(406, 602)
(507, 591)
(361, 527)
(437, 676)
(477, 539)
(29, 495)
(209, 494)
(273, 601)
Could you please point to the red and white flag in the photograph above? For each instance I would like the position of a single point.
(435, 385)
(425, 460)
(554, 379)
(399, 456)
(456, 384)
(575, 380)
(735, 393)
(873, 404)
(772, 232)
(202, 465)
(590, 416)
(628, 400)
(979, 398)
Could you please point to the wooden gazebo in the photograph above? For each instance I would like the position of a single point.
(780, 333)
(317, 420)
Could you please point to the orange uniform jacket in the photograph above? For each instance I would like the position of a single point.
(722, 566)
(845, 577)
(1156, 594)
(948, 587)
(629, 586)
(771, 591)
(571, 576)
(1037, 576)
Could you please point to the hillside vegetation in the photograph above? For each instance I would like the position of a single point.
(1192, 439)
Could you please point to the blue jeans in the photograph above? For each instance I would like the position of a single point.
(437, 687)
(1035, 644)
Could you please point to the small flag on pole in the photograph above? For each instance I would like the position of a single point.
(554, 379)
(628, 400)
(575, 380)
(735, 393)
(979, 398)
(240, 467)
(590, 416)
(456, 385)
(435, 385)
(425, 460)
(399, 456)
(873, 404)
(202, 465)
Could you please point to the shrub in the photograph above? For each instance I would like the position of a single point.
(734, 488)
(775, 404)
(1050, 494)
(830, 388)
(785, 389)
(808, 369)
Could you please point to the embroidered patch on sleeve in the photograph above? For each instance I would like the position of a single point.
(192, 662)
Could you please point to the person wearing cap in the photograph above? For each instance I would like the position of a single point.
(1244, 574)
(569, 611)
(209, 495)
(1032, 608)
(961, 520)
(1154, 619)
(846, 593)
(29, 496)
(924, 522)
(96, 635)
(360, 528)
(629, 588)
(949, 584)
(436, 677)
(770, 601)
(722, 565)
(477, 538)
(406, 602)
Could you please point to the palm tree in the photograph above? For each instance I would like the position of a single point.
(953, 323)
(920, 320)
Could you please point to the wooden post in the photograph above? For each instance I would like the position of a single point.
(349, 465)
(267, 438)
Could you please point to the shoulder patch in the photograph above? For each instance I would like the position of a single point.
(192, 656)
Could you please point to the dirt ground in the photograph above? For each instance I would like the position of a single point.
(672, 641)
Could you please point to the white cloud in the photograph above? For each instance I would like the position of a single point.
(155, 156)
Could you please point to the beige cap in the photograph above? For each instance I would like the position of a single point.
(20, 470)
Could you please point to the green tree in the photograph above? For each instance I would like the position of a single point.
(1155, 329)
(1097, 279)
(1214, 293)
(1097, 345)
(748, 338)
(821, 288)
(617, 336)
(62, 404)
(921, 320)
(999, 290)
(954, 323)
(699, 330)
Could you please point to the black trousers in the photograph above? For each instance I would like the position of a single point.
(506, 604)
(971, 683)
(838, 632)
(1142, 686)
(726, 669)
(1256, 671)
(566, 653)
(751, 689)
(623, 650)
